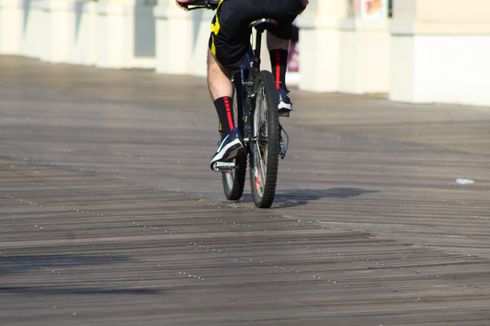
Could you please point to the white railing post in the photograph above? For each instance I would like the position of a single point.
(125, 34)
(440, 51)
(319, 45)
(344, 47)
(11, 26)
(181, 39)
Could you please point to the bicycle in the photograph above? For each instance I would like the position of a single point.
(257, 118)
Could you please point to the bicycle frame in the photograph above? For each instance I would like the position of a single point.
(243, 79)
(257, 120)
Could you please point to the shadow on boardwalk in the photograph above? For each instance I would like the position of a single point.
(300, 197)
(28, 263)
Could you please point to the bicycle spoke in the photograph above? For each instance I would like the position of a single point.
(262, 169)
(261, 135)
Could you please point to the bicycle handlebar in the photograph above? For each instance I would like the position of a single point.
(202, 4)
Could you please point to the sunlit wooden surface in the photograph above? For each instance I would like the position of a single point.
(109, 214)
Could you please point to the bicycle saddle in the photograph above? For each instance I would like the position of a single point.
(263, 23)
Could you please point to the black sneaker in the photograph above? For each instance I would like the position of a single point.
(285, 105)
(228, 148)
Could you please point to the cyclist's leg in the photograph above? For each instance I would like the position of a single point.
(218, 79)
(221, 91)
(228, 44)
(278, 51)
(285, 11)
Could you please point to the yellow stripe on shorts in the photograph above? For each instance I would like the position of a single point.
(213, 47)
(215, 27)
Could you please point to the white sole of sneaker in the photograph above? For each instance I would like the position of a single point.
(284, 106)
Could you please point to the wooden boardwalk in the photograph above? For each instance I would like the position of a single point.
(109, 214)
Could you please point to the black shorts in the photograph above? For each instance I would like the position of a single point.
(230, 34)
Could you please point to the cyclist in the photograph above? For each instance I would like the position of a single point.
(229, 42)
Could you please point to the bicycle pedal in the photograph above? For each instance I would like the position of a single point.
(282, 150)
(283, 142)
(223, 166)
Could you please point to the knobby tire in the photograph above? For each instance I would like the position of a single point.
(264, 154)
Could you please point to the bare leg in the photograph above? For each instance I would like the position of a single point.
(218, 79)
(275, 43)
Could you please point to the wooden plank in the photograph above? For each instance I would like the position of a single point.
(109, 214)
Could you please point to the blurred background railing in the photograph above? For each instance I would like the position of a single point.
(411, 50)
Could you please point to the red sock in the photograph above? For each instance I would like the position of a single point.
(279, 63)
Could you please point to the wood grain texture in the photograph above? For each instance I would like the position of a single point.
(109, 214)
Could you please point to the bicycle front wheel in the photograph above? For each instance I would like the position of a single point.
(264, 154)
